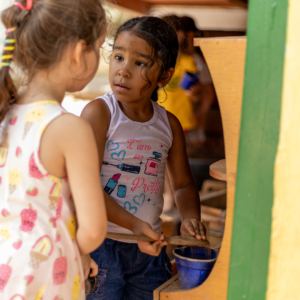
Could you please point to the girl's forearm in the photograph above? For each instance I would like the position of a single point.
(118, 215)
(188, 202)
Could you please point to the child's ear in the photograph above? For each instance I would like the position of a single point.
(166, 77)
(78, 52)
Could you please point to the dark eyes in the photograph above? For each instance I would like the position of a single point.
(138, 63)
(119, 58)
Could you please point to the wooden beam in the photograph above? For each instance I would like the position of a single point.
(137, 5)
(226, 59)
(143, 6)
(173, 2)
(283, 273)
(266, 51)
(198, 2)
(191, 2)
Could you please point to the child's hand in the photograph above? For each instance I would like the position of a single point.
(195, 92)
(194, 227)
(94, 268)
(148, 247)
(88, 265)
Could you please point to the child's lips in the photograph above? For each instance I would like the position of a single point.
(121, 87)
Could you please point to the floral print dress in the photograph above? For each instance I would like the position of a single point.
(39, 257)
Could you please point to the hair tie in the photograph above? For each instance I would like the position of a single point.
(10, 30)
(5, 64)
(9, 41)
(19, 5)
(29, 4)
(10, 48)
(7, 56)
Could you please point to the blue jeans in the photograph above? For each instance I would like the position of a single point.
(125, 273)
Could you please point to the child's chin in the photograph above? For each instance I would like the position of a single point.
(124, 97)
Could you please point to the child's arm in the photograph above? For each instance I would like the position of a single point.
(68, 148)
(98, 115)
(118, 215)
(185, 191)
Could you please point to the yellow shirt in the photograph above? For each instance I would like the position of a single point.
(175, 99)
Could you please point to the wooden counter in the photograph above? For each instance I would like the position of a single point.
(218, 170)
(226, 61)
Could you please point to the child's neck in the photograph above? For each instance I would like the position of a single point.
(43, 86)
(138, 111)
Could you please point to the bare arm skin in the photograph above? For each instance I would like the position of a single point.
(185, 191)
(74, 155)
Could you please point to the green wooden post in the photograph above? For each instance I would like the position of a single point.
(257, 149)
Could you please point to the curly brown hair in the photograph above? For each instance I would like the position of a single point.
(42, 35)
(162, 38)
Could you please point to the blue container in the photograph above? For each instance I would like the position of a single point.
(194, 264)
(189, 79)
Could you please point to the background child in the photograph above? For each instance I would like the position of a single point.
(137, 139)
(206, 96)
(175, 99)
(48, 157)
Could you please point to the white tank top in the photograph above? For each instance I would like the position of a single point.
(134, 163)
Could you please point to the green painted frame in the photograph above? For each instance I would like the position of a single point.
(257, 149)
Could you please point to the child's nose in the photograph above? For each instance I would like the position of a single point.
(124, 72)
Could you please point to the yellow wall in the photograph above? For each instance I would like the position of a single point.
(284, 266)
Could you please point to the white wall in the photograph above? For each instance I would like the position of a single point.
(208, 18)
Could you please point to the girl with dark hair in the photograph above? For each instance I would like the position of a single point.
(47, 157)
(137, 140)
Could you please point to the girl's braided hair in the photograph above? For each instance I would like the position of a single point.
(41, 36)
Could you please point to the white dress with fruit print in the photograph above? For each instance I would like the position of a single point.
(39, 257)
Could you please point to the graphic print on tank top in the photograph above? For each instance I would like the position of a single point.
(151, 165)
(134, 162)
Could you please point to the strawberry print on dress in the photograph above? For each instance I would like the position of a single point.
(33, 169)
(60, 269)
(5, 272)
(37, 219)
(28, 217)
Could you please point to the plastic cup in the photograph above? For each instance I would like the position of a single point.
(189, 79)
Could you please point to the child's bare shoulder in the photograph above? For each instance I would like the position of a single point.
(96, 107)
(174, 123)
(97, 110)
(67, 128)
(69, 122)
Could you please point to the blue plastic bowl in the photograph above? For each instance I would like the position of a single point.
(194, 264)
